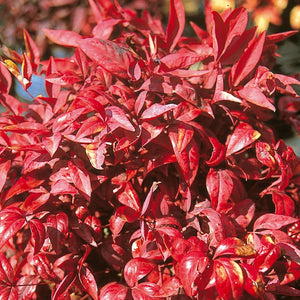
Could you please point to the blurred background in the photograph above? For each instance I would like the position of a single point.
(270, 15)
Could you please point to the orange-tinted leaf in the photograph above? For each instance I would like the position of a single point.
(242, 136)
(235, 248)
(32, 50)
(229, 279)
(253, 282)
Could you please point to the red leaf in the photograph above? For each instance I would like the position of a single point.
(242, 136)
(219, 34)
(88, 281)
(37, 234)
(81, 180)
(235, 248)
(229, 279)
(109, 55)
(116, 117)
(52, 143)
(176, 23)
(256, 96)
(66, 119)
(192, 265)
(27, 127)
(26, 70)
(35, 201)
(129, 197)
(62, 288)
(25, 287)
(136, 269)
(63, 187)
(219, 185)
(185, 149)
(145, 291)
(6, 271)
(52, 89)
(90, 126)
(4, 168)
(12, 220)
(248, 60)
(284, 205)
(57, 228)
(272, 221)
(156, 110)
(5, 79)
(63, 78)
(115, 291)
(253, 282)
(23, 184)
(33, 52)
(63, 37)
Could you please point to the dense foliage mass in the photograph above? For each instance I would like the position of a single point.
(149, 168)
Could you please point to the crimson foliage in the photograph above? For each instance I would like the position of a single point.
(149, 170)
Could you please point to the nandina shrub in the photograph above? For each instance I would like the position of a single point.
(150, 169)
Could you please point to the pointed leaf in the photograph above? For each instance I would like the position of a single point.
(219, 186)
(88, 281)
(176, 23)
(136, 269)
(63, 37)
(256, 96)
(81, 180)
(4, 168)
(12, 220)
(229, 278)
(112, 57)
(243, 136)
(272, 221)
(62, 288)
(113, 290)
(248, 60)
(32, 50)
(156, 110)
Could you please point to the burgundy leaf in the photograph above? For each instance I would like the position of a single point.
(284, 205)
(176, 23)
